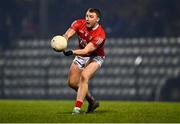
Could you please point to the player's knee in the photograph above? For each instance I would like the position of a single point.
(84, 77)
(72, 84)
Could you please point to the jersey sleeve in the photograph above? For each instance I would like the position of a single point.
(75, 25)
(97, 41)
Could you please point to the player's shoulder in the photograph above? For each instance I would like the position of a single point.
(101, 28)
(99, 34)
(79, 21)
(101, 31)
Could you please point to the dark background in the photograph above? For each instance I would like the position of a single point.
(148, 30)
(121, 18)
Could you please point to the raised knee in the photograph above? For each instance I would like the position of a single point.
(84, 77)
(72, 84)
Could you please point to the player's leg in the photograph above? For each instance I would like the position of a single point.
(73, 80)
(86, 74)
(74, 76)
(93, 104)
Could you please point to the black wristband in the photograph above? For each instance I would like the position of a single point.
(68, 53)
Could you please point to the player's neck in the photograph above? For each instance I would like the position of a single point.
(94, 27)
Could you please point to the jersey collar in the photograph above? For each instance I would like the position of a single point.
(95, 27)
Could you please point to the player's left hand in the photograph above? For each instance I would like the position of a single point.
(68, 53)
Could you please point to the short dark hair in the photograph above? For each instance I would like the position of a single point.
(97, 11)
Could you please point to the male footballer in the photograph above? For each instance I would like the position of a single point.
(88, 57)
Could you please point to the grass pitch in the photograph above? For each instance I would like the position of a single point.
(23, 111)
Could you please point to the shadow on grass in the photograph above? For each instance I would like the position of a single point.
(84, 113)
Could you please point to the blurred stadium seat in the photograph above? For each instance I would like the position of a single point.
(31, 69)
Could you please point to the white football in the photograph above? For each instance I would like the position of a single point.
(59, 43)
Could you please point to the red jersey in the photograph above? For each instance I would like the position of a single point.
(96, 36)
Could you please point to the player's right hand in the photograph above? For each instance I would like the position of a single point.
(56, 50)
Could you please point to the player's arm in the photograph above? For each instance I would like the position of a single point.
(91, 46)
(82, 52)
(86, 51)
(72, 30)
(69, 33)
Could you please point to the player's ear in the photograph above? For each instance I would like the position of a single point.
(98, 19)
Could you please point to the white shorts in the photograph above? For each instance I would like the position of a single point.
(82, 61)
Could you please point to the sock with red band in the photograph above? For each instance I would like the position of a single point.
(78, 103)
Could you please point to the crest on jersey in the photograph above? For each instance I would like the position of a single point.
(99, 41)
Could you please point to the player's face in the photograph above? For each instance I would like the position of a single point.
(91, 19)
